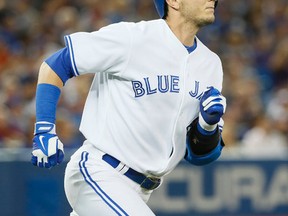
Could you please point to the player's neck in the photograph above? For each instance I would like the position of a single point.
(184, 31)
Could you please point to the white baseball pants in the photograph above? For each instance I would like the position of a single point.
(93, 187)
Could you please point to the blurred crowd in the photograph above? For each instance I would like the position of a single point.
(251, 38)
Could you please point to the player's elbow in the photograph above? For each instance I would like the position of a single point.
(47, 75)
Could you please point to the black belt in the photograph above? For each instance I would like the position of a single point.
(149, 183)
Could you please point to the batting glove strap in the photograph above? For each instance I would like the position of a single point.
(44, 127)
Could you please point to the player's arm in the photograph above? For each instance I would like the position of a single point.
(54, 72)
(49, 76)
(204, 141)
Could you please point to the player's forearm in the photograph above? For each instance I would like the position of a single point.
(46, 142)
(47, 94)
(47, 75)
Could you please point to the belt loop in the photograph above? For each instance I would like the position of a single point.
(124, 169)
(119, 167)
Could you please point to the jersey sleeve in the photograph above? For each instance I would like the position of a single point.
(106, 50)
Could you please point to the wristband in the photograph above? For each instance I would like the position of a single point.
(47, 97)
(205, 132)
(205, 126)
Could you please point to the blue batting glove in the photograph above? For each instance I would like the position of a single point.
(47, 148)
(212, 108)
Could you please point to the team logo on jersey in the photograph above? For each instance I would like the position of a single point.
(163, 84)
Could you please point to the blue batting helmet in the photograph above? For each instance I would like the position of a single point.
(160, 7)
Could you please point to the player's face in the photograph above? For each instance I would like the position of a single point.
(199, 12)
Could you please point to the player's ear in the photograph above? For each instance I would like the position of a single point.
(173, 4)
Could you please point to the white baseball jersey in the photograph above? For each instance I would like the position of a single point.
(145, 93)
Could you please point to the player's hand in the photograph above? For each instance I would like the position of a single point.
(47, 148)
(212, 108)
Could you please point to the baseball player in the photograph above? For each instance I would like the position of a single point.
(155, 100)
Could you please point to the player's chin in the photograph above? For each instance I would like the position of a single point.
(206, 21)
(210, 17)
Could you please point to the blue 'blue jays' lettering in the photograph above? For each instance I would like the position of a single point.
(196, 91)
(165, 83)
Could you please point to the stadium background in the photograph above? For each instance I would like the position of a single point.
(251, 37)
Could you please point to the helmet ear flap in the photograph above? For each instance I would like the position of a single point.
(161, 7)
(216, 3)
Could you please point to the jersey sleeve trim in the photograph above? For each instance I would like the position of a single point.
(68, 42)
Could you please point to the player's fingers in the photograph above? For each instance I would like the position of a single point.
(52, 160)
(43, 162)
(37, 158)
(34, 160)
(46, 162)
(214, 100)
(55, 159)
(38, 153)
(211, 98)
(60, 151)
(216, 109)
(47, 165)
(217, 97)
(60, 156)
(215, 105)
(40, 162)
